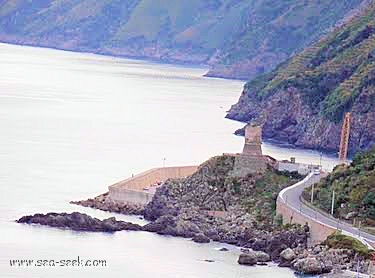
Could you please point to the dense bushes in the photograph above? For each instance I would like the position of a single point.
(340, 241)
(354, 186)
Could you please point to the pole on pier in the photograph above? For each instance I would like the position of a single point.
(320, 162)
(164, 159)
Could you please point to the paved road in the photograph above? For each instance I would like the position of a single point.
(291, 197)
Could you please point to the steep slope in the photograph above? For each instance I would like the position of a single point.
(274, 30)
(303, 101)
(238, 38)
(354, 187)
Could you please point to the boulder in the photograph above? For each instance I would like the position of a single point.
(309, 265)
(287, 255)
(247, 259)
(187, 229)
(262, 257)
(327, 266)
(201, 238)
(153, 227)
(212, 234)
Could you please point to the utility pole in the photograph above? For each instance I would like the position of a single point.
(333, 201)
(312, 193)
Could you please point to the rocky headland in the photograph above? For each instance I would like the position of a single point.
(215, 205)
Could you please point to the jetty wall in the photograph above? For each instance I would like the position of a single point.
(140, 188)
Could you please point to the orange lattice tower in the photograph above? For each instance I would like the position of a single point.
(345, 134)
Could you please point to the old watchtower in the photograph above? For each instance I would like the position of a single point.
(253, 140)
(251, 160)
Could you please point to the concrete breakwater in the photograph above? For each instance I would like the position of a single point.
(140, 188)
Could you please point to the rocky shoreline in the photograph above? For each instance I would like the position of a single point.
(317, 260)
(104, 203)
(214, 205)
(79, 222)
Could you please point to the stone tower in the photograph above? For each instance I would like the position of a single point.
(251, 160)
(253, 140)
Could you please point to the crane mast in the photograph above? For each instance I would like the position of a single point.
(345, 134)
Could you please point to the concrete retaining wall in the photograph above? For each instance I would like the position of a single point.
(141, 188)
(319, 232)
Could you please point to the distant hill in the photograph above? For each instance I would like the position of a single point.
(354, 187)
(303, 101)
(237, 38)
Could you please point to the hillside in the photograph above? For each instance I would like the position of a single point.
(354, 187)
(217, 204)
(303, 101)
(237, 38)
(214, 187)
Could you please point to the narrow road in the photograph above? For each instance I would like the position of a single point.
(291, 197)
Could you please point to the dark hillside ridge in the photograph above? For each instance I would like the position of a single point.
(237, 38)
(304, 100)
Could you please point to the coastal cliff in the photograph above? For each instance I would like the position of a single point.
(303, 101)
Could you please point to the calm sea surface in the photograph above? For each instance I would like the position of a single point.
(71, 124)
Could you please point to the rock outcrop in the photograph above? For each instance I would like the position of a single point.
(309, 265)
(201, 238)
(103, 202)
(247, 259)
(79, 222)
(212, 204)
(251, 257)
(286, 257)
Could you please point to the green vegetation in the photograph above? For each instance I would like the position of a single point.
(264, 32)
(286, 25)
(354, 187)
(332, 73)
(340, 241)
(214, 187)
